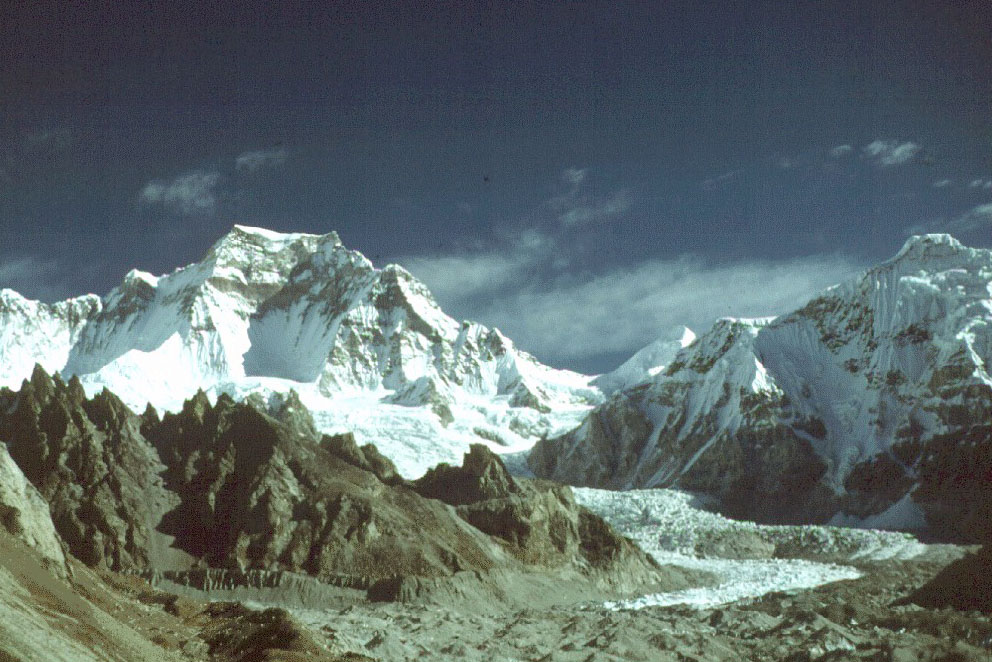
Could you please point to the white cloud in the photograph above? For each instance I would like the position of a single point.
(583, 211)
(891, 152)
(253, 161)
(841, 150)
(623, 310)
(194, 192)
(568, 319)
(981, 183)
(974, 219)
(574, 176)
(943, 183)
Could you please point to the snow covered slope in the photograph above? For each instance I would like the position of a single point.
(646, 363)
(872, 401)
(368, 350)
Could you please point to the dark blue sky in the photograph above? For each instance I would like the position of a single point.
(582, 174)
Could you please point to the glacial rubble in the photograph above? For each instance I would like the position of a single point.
(336, 557)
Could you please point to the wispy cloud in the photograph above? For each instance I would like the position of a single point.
(841, 151)
(253, 161)
(587, 210)
(574, 176)
(943, 183)
(974, 219)
(451, 277)
(578, 206)
(714, 182)
(889, 153)
(32, 277)
(47, 140)
(191, 193)
(567, 318)
(25, 268)
(980, 183)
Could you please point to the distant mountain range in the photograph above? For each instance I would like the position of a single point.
(368, 350)
(870, 405)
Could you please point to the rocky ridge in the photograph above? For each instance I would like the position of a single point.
(24, 514)
(226, 485)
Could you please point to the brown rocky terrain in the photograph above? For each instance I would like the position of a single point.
(260, 540)
(101, 615)
(228, 485)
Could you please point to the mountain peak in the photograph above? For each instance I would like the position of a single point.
(273, 237)
(929, 245)
(245, 245)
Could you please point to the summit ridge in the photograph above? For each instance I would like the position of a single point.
(368, 350)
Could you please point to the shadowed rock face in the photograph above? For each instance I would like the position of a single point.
(255, 494)
(482, 476)
(89, 460)
(762, 471)
(965, 584)
(873, 402)
(539, 522)
(228, 485)
(955, 481)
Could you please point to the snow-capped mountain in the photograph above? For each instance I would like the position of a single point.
(367, 349)
(646, 363)
(871, 404)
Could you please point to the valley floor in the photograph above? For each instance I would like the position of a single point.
(831, 598)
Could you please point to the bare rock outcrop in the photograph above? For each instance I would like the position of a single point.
(539, 522)
(90, 462)
(255, 494)
(24, 513)
(253, 488)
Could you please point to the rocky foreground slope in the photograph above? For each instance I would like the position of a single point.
(56, 608)
(368, 350)
(872, 404)
(229, 486)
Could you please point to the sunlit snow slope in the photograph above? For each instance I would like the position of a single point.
(367, 349)
(872, 403)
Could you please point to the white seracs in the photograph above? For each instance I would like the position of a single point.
(368, 350)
